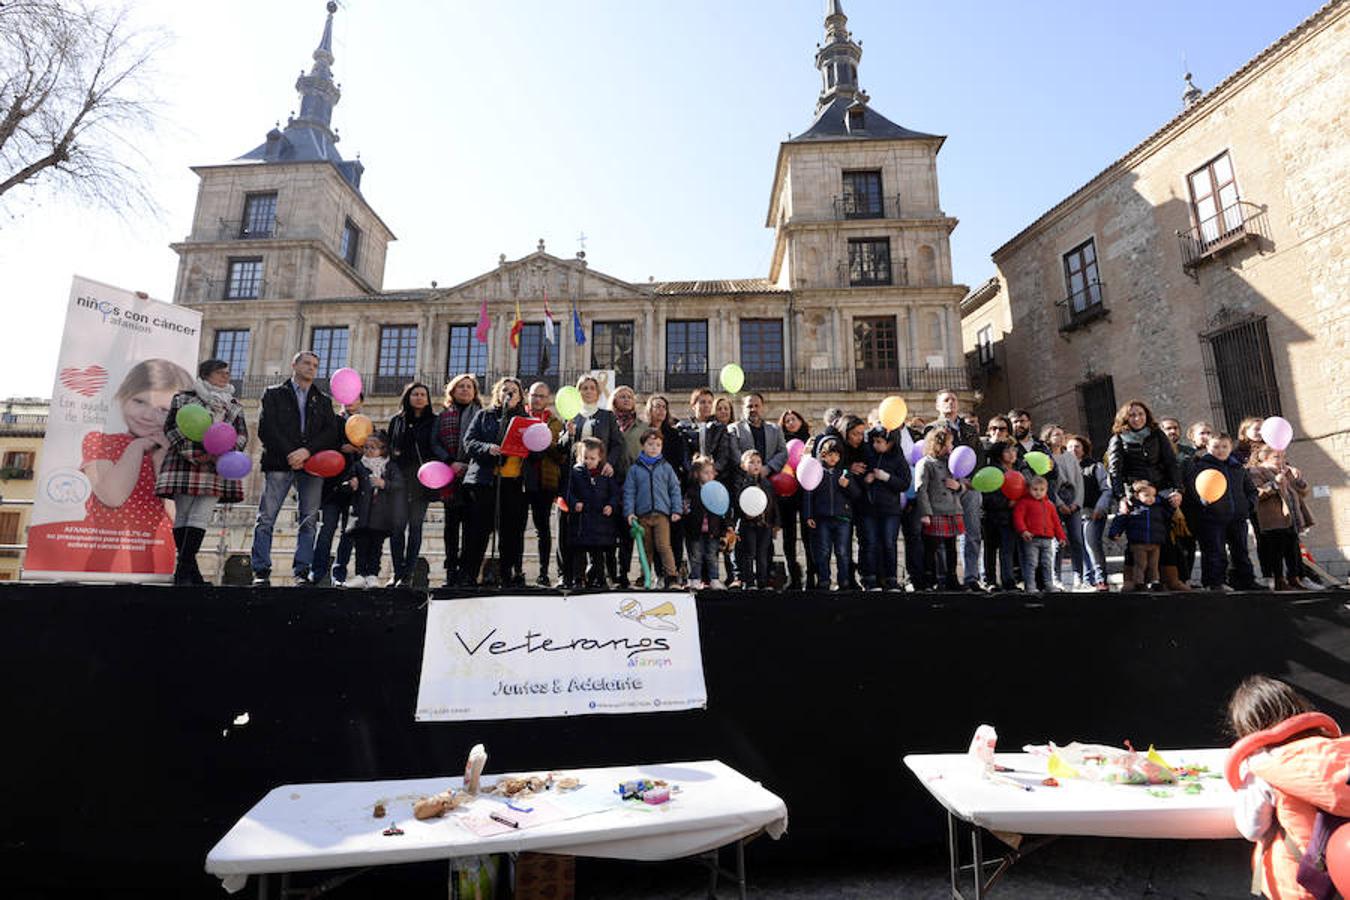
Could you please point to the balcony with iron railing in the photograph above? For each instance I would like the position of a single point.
(15, 473)
(1082, 307)
(674, 384)
(866, 206)
(1235, 224)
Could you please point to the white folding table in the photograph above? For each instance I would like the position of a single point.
(312, 827)
(1075, 807)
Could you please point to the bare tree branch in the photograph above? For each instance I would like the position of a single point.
(74, 90)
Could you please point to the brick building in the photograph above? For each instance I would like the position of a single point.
(1205, 272)
(23, 424)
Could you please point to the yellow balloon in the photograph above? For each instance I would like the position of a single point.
(358, 428)
(893, 412)
(1211, 485)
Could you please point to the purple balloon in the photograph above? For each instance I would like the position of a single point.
(916, 454)
(220, 438)
(961, 462)
(233, 465)
(809, 473)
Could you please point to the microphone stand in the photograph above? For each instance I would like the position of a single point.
(502, 428)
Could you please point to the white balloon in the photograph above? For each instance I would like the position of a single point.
(754, 501)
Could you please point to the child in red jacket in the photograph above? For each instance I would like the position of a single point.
(1289, 764)
(1036, 521)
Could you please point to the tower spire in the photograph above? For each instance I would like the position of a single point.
(318, 92)
(1191, 94)
(837, 59)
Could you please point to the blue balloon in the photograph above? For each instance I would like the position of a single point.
(715, 498)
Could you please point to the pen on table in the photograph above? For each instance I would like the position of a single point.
(504, 820)
(1000, 779)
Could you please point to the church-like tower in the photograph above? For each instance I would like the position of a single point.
(860, 238)
(287, 220)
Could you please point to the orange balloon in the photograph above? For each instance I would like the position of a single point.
(1211, 485)
(358, 429)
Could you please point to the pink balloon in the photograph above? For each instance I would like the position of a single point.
(1277, 432)
(961, 462)
(809, 473)
(220, 438)
(345, 384)
(795, 448)
(435, 475)
(537, 437)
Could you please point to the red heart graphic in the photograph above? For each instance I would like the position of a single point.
(87, 381)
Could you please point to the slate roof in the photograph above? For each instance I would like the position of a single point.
(831, 125)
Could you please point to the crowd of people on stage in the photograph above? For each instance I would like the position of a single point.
(628, 472)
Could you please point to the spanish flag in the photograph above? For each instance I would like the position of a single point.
(516, 328)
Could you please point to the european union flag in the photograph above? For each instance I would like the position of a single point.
(578, 333)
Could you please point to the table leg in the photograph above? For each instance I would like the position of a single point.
(740, 867)
(264, 886)
(713, 860)
(978, 846)
(953, 855)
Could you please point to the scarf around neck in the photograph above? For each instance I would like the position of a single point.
(649, 460)
(625, 419)
(217, 399)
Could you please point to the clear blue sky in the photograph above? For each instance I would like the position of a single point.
(653, 126)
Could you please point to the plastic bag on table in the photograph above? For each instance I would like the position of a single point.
(1099, 762)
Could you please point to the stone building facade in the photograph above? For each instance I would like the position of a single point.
(286, 252)
(1205, 272)
(23, 424)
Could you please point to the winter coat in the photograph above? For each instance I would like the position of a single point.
(891, 478)
(1096, 488)
(651, 488)
(694, 513)
(767, 518)
(1279, 506)
(279, 425)
(997, 507)
(378, 509)
(604, 429)
(712, 440)
(1040, 517)
(451, 425)
(1143, 524)
(486, 429)
(964, 433)
(591, 527)
(830, 501)
(545, 469)
(1051, 477)
(187, 467)
(775, 447)
(1237, 501)
(1149, 458)
(1306, 775)
(411, 440)
(338, 489)
(931, 494)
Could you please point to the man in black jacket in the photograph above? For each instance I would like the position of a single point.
(296, 422)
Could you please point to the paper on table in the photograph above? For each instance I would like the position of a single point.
(480, 822)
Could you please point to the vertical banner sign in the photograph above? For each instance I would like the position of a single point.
(502, 657)
(95, 514)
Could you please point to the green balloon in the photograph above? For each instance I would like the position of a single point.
(988, 480)
(1039, 462)
(568, 402)
(733, 378)
(192, 421)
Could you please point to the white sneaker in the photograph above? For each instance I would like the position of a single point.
(717, 585)
(374, 581)
(341, 584)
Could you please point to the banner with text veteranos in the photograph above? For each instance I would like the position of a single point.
(504, 657)
(95, 513)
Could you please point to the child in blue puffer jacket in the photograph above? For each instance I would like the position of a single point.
(1223, 523)
(1145, 526)
(652, 498)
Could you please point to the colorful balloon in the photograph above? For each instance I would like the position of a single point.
(537, 437)
(715, 498)
(1014, 485)
(192, 421)
(326, 463)
(810, 472)
(795, 448)
(1211, 485)
(961, 462)
(233, 465)
(733, 378)
(1277, 432)
(345, 385)
(1039, 462)
(357, 429)
(435, 474)
(1338, 857)
(987, 480)
(784, 485)
(915, 454)
(568, 402)
(220, 438)
(893, 412)
(754, 501)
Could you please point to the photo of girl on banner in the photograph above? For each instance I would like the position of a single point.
(95, 514)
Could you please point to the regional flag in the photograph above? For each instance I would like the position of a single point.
(516, 328)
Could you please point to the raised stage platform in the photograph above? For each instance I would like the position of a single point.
(122, 763)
